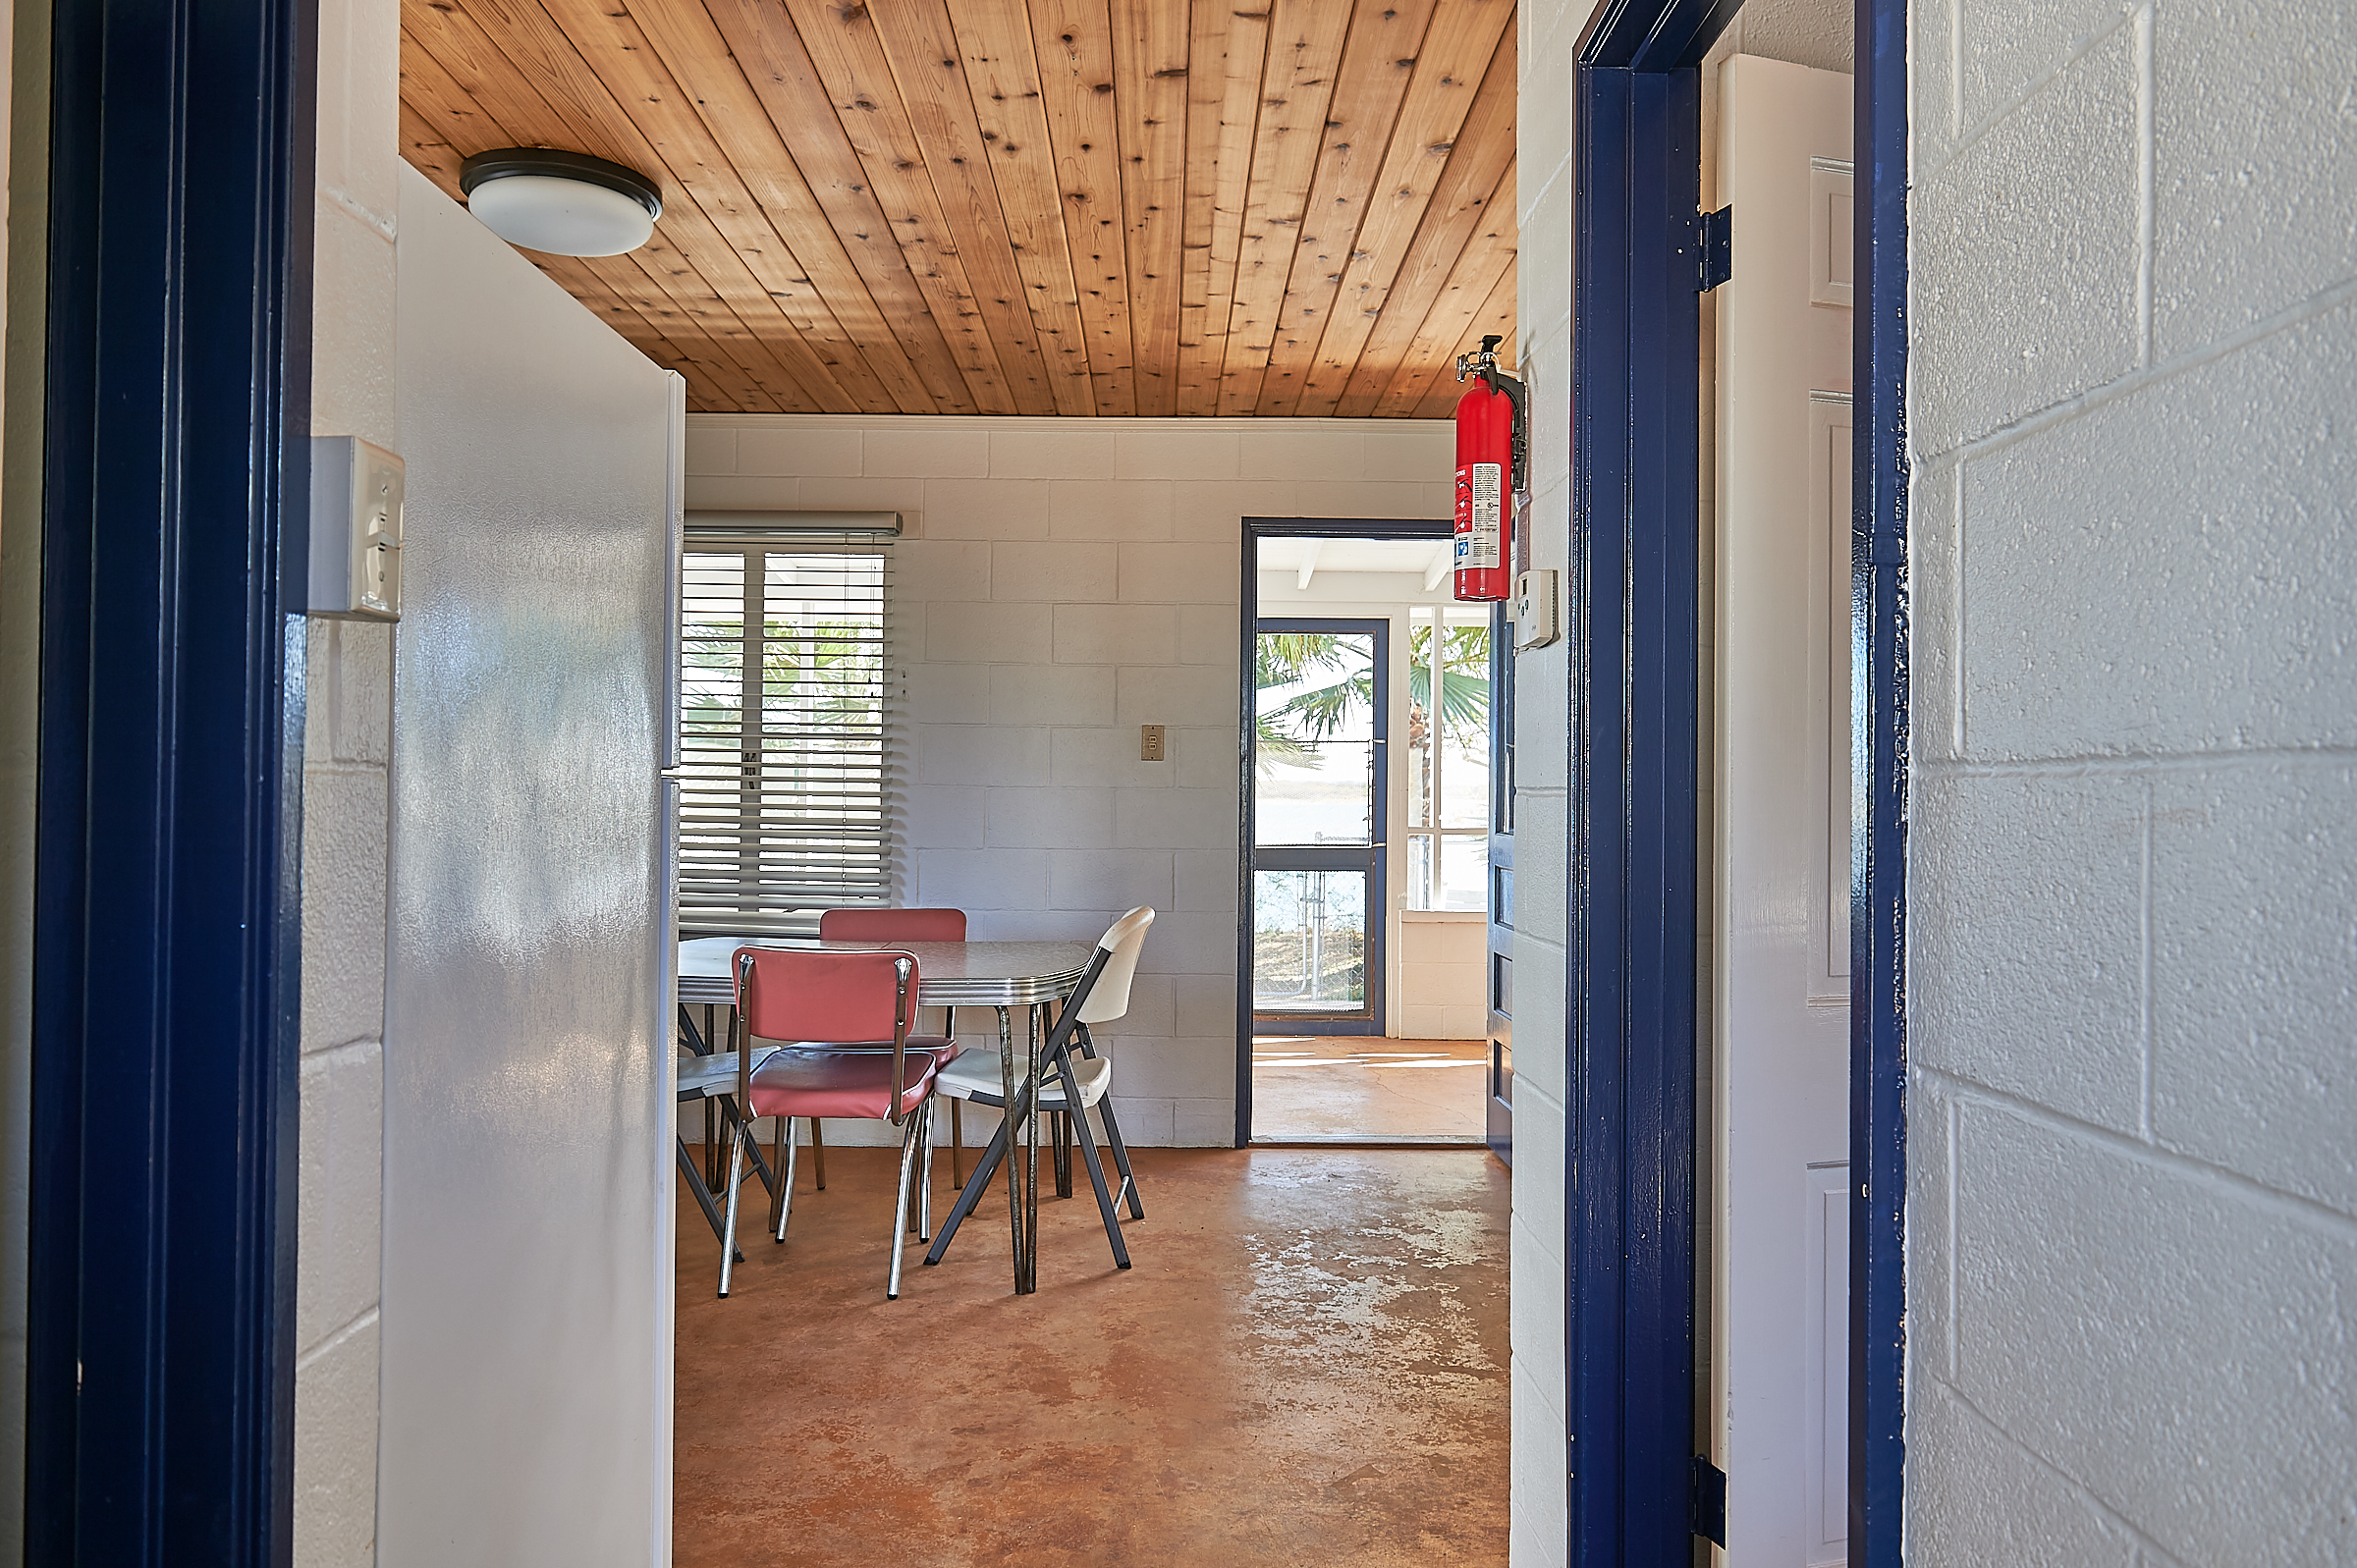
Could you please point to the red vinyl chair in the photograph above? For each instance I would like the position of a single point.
(862, 1006)
(884, 927)
(869, 924)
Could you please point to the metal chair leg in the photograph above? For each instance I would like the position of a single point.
(702, 1193)
(760, 1165)
(925, 1185)
(1096, 1173)
(818, 1154)
(786, 1181)
(956, 1148)
(976, 1186)
(781, 1128)
(727, 1241)
(1121, 1158)
(1064, 1153)
(900, 1212)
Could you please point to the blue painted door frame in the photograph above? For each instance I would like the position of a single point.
(1629, 1007)
(160, 1379)
(1878, 853)
(1634, 575)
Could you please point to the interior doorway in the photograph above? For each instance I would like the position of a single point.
(1366, 860)
(1662, 1129)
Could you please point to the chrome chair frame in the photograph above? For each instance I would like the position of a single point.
(912, 1126)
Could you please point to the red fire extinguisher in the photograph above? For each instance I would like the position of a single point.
(1492, 473)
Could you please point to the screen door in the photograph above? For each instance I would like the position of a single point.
(1321, 690)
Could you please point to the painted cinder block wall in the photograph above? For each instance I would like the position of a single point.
(1539, 1497)
(2132, 1211)
(1060, 583)
(349, 676)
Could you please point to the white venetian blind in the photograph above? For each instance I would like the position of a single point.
(787, 793)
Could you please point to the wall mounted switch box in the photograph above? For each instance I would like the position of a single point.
(1534, 609)
(356, 529)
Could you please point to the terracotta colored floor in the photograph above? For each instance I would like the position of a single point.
(1306, 1365)
(1340, 1088)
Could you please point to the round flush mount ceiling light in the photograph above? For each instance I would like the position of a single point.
(566, 203)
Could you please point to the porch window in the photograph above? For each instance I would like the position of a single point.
(787, 794)
(1449, 719)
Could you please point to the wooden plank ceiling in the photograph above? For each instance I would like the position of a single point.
(1017, 206)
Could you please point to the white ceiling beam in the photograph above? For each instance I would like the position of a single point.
(1442, 558)
(1310, 551)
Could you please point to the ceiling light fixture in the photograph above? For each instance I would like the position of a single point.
(565, 203)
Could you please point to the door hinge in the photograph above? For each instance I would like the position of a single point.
(1716, 248)
(1706, 1501)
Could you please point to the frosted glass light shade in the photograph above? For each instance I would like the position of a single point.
(563, 203)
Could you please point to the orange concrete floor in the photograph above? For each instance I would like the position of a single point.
(1333, 1089)
(1306, 1365)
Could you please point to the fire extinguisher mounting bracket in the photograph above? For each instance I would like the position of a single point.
(1483, 362)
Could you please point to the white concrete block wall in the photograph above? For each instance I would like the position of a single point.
(345, 744)
(1541, 1456)
(1060, 584)
(2132, 1223)
(1443, 972)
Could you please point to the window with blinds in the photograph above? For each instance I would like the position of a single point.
(788, 791)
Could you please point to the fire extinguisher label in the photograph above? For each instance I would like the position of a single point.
(1477, 546)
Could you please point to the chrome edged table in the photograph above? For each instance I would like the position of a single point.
(999, 975)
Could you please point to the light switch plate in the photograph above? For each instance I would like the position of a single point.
(1534, 609)
(356, 529)
(1150, 743)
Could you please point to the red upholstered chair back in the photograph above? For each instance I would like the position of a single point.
(892, 925)
(824, 998)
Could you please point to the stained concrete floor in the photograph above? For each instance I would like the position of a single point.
(1306, 1365)
(1333, 1088)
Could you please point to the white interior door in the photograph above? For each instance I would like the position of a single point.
(1782, 828)
(528, 1204)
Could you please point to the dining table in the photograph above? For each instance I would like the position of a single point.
(999, 975)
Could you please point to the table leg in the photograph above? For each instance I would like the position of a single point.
(1031, 1152)
(1014, 1203)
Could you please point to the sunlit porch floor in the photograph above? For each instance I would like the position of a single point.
(1306, 1365)
(1337, 1089)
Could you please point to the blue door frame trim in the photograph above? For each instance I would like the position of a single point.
(1878, 853)
(160, 1377)
(1252, 531)
(1629, 1017)
(1630, 1152)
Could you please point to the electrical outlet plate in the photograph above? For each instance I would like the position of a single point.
(356, 529)
(1150, 743)
(1534, 609)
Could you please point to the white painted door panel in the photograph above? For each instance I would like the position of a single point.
(527, 1273)
(1781, 830)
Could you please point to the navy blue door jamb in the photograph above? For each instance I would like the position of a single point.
(160, 1384)
(1630, 1006)
(1878, 855)
(1629, 1017)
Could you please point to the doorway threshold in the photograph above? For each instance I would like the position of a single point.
(1348, 1141)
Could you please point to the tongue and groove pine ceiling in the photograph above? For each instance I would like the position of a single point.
(1070, 207)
